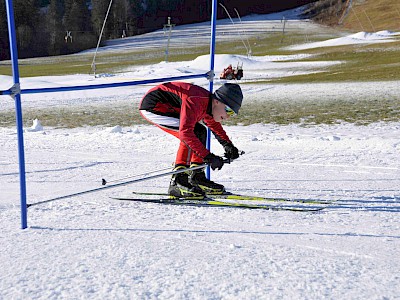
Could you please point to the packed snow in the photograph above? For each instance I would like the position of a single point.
(94, 247)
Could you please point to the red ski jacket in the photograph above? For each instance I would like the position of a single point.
(189, 103)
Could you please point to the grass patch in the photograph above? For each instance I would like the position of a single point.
(375, 62)
(314, 113)
(361, 112)
(71, 117)
(80, 64)
(374, 16)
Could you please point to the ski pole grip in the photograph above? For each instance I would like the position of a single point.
(229, 160)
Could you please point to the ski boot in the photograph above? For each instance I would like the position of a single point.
(181, 188)
(198, 178)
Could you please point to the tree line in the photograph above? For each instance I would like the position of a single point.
(56, 27)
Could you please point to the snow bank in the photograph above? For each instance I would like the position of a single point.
(353, 39)
(36, 126)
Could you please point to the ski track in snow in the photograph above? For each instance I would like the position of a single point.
(93, 247)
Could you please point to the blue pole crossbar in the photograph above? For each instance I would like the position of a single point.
(101, 86)
(212, 62)
(18, 111)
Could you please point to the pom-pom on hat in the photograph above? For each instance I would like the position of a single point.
(231, 95)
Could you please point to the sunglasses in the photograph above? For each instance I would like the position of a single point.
(229, 111)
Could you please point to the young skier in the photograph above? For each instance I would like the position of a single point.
(182, 109)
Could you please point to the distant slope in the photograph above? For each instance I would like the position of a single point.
(357, 15)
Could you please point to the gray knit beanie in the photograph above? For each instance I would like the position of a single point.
(231, 95)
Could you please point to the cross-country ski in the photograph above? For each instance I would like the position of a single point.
(221, 202)
(254, 198)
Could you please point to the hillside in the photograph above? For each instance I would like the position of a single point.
(51, 28)
(357, 15)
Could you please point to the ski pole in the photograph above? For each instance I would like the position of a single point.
(122, 184)
(104, 182)
(226, 161)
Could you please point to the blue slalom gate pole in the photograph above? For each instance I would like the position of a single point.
(212, 62)
(18, 110)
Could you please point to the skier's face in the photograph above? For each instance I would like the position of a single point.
(219, 111)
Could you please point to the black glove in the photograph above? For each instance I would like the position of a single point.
(215, 162)
(231, 151)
